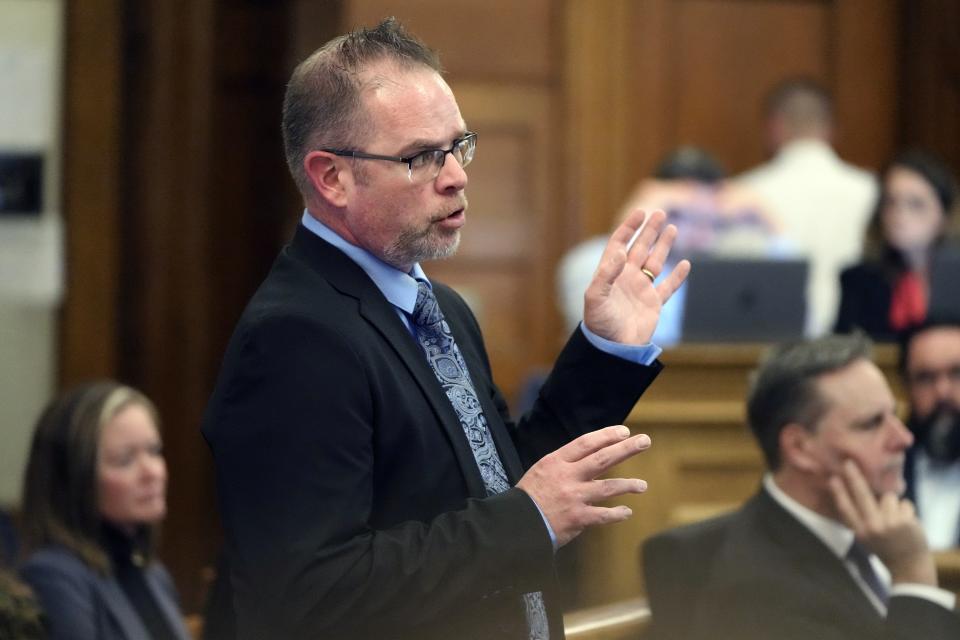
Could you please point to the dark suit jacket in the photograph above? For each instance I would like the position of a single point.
(352, 503)
(865, 295)
(81, 604)
(760, 574)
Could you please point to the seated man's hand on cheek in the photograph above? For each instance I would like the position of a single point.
(887, 525)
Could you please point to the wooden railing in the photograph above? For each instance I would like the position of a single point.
(621, 620)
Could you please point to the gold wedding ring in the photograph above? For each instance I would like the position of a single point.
(648, 273)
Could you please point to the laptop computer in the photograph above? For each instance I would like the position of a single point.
(945, 284)
(745, 300)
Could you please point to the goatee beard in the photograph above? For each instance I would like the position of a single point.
(939, 433)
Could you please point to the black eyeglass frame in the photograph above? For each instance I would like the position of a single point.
(409, 159)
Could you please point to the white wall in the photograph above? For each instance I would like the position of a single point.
(31, 49)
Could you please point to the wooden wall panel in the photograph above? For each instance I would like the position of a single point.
(167, 293)
(491, 40)
(727, 56)
(864, 79)
(643, 78)
(615, 109)
(929, 89)
(91, 190)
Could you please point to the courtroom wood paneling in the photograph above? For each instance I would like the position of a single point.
(929, 89)
(166, 299)
(494, 40)
(91, 190)
(727, 57)
(864, 79)
(615, 121)
(644, 78)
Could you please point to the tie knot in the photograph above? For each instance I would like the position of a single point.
(858, 554)
(426, 311)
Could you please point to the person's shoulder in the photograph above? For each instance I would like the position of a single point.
(705, 533)
(55, 557)
(858, 178)
(861, 272)
(755, 175)
(55, 570)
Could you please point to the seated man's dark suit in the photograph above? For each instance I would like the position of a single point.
(759, 574)
(351, 499)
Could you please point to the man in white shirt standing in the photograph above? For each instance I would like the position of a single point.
(823, 202)
(827, 548)
(930, 361)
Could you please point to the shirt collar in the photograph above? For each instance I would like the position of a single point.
(836, 536)
(398, 287)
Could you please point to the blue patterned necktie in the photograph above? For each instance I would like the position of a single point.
(448, 365)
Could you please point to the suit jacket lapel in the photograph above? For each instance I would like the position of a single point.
(348, 278)
(814, 558)
(120, 609)
(167, 605)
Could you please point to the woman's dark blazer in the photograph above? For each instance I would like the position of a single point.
(865, 294)
(81, 604)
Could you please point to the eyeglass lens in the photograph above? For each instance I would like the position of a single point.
(427, 165)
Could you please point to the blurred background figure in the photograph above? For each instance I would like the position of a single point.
(930, 366)
(713, 217)
(20, 616)
(822, 201)
(890, 290)
(94, 495)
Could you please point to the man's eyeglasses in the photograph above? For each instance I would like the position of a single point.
(426, 165)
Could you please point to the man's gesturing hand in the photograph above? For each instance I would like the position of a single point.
(888, 526)
(564, 483)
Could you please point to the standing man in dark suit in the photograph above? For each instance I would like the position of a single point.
(930, 365)
(826, 549)
(371, 483)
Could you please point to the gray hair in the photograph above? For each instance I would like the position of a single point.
(783, 389)
(322, 106)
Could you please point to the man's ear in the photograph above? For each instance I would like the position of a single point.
(797, 448)
(328, 175)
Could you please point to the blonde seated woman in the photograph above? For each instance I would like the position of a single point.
(94, 496)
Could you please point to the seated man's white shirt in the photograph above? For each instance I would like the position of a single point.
(937, 490)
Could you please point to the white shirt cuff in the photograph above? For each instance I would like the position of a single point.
(936, 595)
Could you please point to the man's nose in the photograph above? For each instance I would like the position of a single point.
(902, 437)
(452, 175)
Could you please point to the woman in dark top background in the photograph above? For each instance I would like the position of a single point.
(94, 495)
(889, 291)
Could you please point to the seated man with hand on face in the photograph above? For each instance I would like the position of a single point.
(826, 549)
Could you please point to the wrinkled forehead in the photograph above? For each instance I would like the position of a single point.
(934, 347)
(858, 385)
(403, 104)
